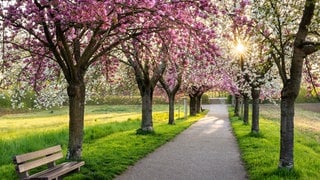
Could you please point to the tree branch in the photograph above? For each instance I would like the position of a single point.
(310, 47)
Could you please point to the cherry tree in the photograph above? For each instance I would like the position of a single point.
(171, 82)
(66, 36)
(201, 67)
(258, 76)
(201, 77)
(288, 29)
(149, 63)
(196, 54)
(257, 72)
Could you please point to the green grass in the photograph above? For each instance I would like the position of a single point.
(110, 142)
(260, 153)
(23, 124)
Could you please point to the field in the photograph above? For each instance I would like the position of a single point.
(261, 152)
(110, 141)
(18, 125)
(307, 116)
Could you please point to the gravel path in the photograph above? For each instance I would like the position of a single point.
(205, 151)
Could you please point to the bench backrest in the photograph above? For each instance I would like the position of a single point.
(25, 162)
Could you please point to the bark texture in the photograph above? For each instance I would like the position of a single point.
(287, 128)
(255, 110)
(237, 105)
(195, 99)
(245, 109)
(147, 123)
(171, 109)
(146, 87)
(193, 105)
(76, 93)
(198, 102)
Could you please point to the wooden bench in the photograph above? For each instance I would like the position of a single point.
(48, 156)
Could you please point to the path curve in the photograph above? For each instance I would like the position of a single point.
(205, 151)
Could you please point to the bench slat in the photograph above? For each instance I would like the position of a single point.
(58, 170)
(42, 161)
(48, 156)
(36, 154)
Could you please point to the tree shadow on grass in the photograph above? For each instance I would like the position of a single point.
(144, 132)
(255, 135)
(282, 174)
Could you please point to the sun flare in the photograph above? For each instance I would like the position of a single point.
(240, 48)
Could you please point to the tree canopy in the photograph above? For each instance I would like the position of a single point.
(62, 49)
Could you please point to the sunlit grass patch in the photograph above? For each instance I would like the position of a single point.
(261, 153)
(110, 144)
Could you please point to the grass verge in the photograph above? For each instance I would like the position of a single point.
(260, 152)
(111, 155)
(108, 149)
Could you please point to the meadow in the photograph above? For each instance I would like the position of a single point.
(110, 142)
(260, 152)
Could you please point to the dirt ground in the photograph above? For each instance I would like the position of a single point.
(307, 116)
(314, 107)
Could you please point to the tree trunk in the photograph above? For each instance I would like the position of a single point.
(171, 109)
(198, 103)
(146, 123)
(286, 129)
(245, 109)
(237, 105)
(255, 110)
(193, 105)
(76, 93)
(171, 93)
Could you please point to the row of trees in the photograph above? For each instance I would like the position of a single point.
(68, 41)
(280, 35)
(183, 46)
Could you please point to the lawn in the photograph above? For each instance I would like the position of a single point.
(110, 142)
(260, 153)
